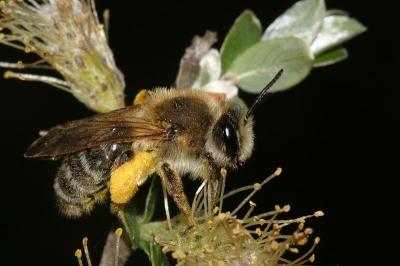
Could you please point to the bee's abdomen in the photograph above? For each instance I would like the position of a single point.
(83, 179)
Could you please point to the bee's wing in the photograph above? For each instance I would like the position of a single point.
(123, 125)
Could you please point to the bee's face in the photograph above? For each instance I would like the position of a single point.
(230, 140)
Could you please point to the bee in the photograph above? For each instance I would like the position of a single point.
(170, 132)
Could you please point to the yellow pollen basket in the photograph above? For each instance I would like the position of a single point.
(127, 178)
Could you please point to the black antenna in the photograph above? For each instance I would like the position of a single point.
(262, 96)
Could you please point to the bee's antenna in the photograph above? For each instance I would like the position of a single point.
(262, 96)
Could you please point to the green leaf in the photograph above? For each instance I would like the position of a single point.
(210, 69)
(256, 67)
(156, 256)
(130, 219)
(245, 32)
(151, 200)
(334, 12)
(336, 30)
(303, 20)
(330, 57)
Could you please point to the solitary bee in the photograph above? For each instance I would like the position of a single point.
(170, 132)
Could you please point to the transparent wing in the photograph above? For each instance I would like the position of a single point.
(123, 125)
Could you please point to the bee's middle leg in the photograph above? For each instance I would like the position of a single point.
(173, 182)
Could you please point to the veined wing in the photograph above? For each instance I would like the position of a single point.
(123, 125)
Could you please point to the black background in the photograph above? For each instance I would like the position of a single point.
(333, 134)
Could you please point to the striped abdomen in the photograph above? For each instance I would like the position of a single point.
(83, 178)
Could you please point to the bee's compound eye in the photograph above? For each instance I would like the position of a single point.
(230, 140)
(225, 136)
(125, 157)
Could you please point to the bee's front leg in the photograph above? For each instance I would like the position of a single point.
(173, 183)
(214, 173)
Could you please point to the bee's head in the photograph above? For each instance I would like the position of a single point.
(231, 139)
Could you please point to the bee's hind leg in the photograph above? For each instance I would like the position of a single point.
(173, 183)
